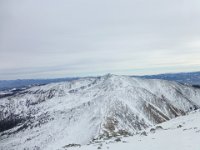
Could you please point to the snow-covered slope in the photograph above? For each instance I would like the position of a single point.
(182, 133)
(58, 114)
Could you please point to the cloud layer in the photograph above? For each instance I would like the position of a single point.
(48, 38)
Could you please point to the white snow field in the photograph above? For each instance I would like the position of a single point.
(53, 116)
(182, 133)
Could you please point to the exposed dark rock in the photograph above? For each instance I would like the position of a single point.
(72, 145)
(179, 126)
(144, 133)
(152, 130)
(118, 139)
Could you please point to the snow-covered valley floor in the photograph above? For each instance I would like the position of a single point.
(182, 133)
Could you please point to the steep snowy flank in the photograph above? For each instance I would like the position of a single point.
(182, 133)
(80, 111)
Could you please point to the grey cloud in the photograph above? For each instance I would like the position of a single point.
(93, 37)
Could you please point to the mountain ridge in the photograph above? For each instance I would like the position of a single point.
(192, 78)
(86, 109)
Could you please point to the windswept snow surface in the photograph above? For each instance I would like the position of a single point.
(52, 116)
(182, 133)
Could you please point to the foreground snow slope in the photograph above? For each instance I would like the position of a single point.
(182, 133)
(54, 115)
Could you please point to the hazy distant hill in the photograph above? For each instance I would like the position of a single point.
(8, 84)
(188, 78)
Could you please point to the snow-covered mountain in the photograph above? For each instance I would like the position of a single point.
(80, 111)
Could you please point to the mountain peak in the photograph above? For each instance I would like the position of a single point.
(108, 75)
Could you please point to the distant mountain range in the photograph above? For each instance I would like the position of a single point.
(192, 78)
(9, 84)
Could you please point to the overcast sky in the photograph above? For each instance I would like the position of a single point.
(50, 38)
